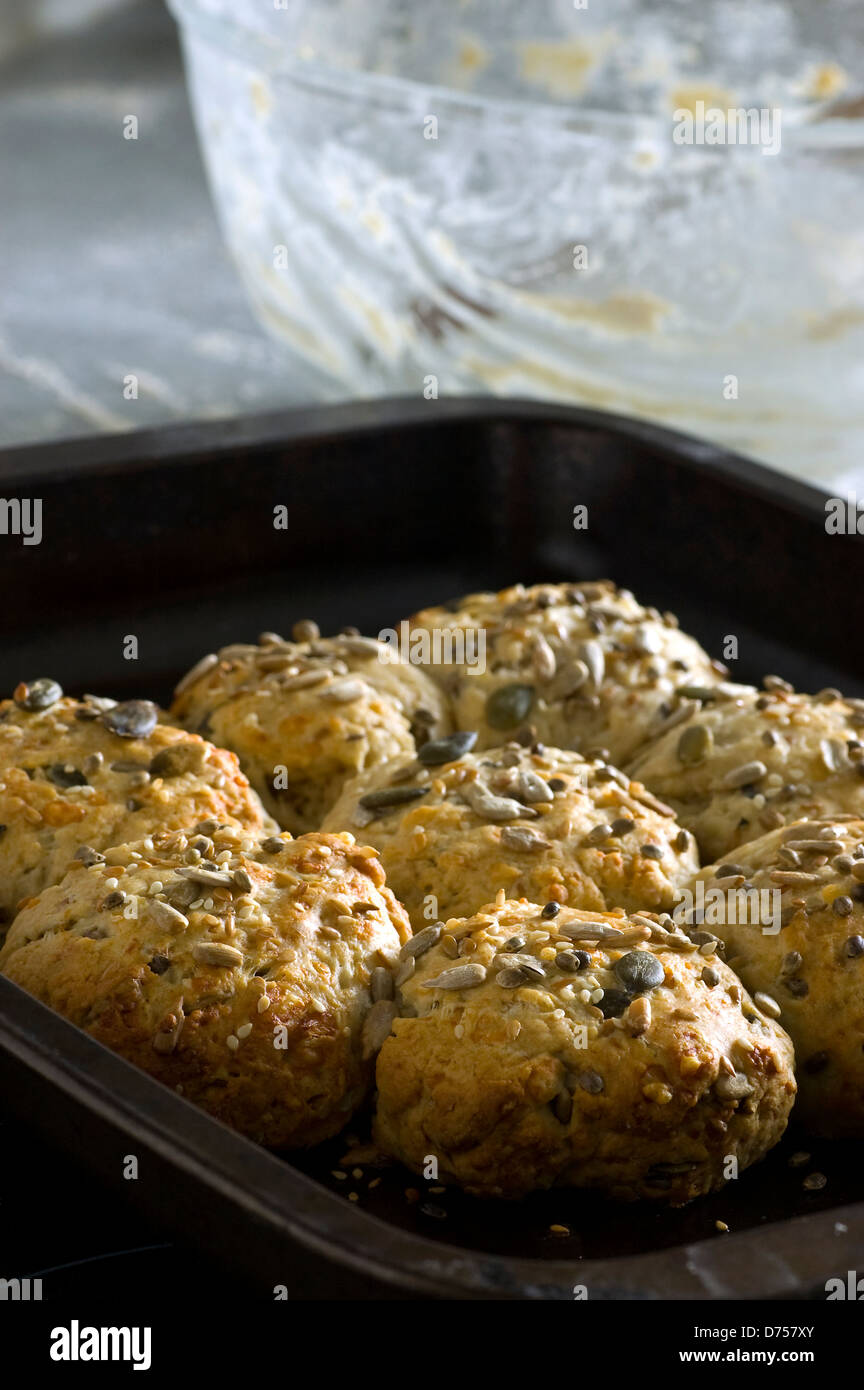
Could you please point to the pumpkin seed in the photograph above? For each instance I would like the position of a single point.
(512, 978)
(613, 1003)
(131, 719)
(592, 1082)
(639, 971)
(391, 796)
(447, 750)
(38, 695)
(508, 705)
(177, 759)
(64, 775)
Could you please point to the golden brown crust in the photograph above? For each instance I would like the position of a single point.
(801, 943)
(749, 761)
(304, 717)
(517, 1086)
(568, 831)
(582, 666)
(247, 993)
(68, 783)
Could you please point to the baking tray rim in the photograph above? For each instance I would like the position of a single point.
(437, 1269)
(275, 1192)
(354, 419)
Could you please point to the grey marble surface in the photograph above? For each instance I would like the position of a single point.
(111, 259)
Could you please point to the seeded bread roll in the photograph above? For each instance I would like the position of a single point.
(240, 972)
(577, 1050)
(303, 717)
(547, 826)
(799, 945)
(748, 761)
(79, 775)
(579, 666)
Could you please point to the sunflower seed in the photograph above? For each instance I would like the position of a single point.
(512, 960)
(200, 669)
(391, 796)
(517, 837)
(563, 1107)
(342, 692)
(591, 653)
(508, 705)
(572, 678)
(743, 775)
(766, 1004)
(491, 807)
(131, 719)
(695, 744)
(273, 844)
(357, 645)
(166, 915)
(381, 984)
(377, 1026)
(834, 755)
(542, 659)
(38, 695)
(416, 945)
(217, 953)
(588, 931)
(623, 825)
(305, 679)
(736, 1087)
(305, 630)
(447, 750)
(647, 640)
(405, 971)
(242, 880)
(214, 878)
(460, 977)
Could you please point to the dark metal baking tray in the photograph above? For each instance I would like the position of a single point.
(168, 536)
